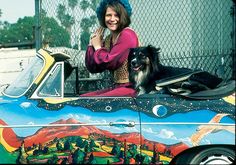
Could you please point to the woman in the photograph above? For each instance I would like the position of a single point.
(112, 54)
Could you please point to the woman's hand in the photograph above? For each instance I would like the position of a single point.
(96, 38)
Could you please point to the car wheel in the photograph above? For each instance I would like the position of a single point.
(214, 155)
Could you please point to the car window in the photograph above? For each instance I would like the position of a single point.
(52, 86)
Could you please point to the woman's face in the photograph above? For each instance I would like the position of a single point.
(111, 19)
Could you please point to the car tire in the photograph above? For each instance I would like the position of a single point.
(214, 155)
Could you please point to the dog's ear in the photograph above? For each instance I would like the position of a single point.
(155, 57)
(154, 52)
(131, 51)
(150, 46)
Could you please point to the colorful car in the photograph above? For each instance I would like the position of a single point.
(43, 119)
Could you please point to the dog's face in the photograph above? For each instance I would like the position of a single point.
(139, 59)
(143, 58)
(143, 64)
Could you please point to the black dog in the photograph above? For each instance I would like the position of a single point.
(142, 65)
(145, 69)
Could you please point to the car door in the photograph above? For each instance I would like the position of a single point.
(75, 129)
(172, 124)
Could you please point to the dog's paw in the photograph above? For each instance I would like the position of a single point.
(141, 91)
(153, 92)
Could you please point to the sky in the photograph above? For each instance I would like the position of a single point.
(12, 10)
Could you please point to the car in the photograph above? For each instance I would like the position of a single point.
(43, 119)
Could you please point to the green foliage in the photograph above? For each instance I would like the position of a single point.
(9, 158)
(68, 146)
(84, 5)
(45, 150)
(91, 159)
(79, 142)
(116, 150)
(73, 139)
(146, 160)
(54, 34)
(59, 146)
(92, 144)
(18, 32)
(86, 147)
(84, 40)
(61, 9)
(94, 4)
(72, 3)
(86, 23)
(78, 157)
(132, 151)
(53, 160)
(66, 19)
(23, 30)
(85, 142)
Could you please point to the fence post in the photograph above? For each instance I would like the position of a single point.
(233, 36)
(38, 34)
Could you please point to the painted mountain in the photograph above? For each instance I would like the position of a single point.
(105, 141)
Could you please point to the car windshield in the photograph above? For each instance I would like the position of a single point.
(25, 78)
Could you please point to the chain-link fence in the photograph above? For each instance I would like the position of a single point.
(191, 33)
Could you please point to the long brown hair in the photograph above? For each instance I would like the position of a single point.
(124, 19)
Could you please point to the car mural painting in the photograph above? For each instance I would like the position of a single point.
(43, 122)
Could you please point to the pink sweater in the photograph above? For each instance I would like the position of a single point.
(103, 59)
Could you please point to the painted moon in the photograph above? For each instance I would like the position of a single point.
(159, 110)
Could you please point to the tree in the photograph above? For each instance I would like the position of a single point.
(116, 150)
(78, 157)
(54, 34)
(66, 20)
(55, 139)
(22, 157)
(0, 17)
(85, 143)
(87, 22)
(59, 146)
(92, 144)
(73, 139)
(84, 5)
(72, 4)
(133, 150)
(68, 146)
(87, 148)
(155, 157)
(22, 31)
(91, 159)
(53, 160)
(45, 150)
(79, 142)
(5, 25)
(146, 160)
(65, 14)
(93, 4)
(18, 32)
(85, 25)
